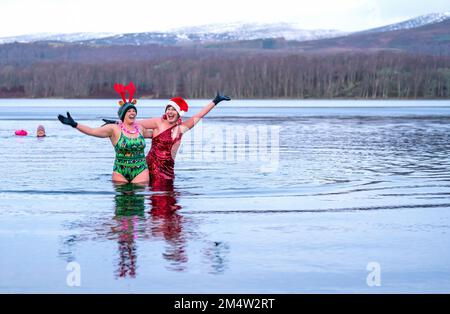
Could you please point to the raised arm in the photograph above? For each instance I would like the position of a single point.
(192, 121)
(103, 131)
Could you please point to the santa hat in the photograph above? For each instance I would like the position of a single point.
(179, 104)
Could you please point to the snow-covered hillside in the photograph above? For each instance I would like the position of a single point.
(235, 31)
(412, 23)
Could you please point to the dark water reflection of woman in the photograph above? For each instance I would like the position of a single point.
(166, 223)
(129, 212)
(133, 221)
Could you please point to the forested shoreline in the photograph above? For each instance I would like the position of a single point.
(77, 72)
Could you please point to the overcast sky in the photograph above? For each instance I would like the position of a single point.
(123, 16)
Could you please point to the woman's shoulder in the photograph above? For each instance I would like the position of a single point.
(114, 127)
(141, 128)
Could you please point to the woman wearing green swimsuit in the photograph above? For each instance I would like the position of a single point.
(127, 137)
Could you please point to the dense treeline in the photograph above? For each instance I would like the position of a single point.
(198, 74)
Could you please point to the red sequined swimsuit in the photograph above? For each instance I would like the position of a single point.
(160, 158)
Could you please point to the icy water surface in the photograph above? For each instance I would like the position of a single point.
(314, 195)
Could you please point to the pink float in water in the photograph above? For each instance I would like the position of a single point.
(21, 133)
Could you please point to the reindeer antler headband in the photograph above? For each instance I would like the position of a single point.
(121, 90)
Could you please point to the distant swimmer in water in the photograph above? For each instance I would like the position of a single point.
(127, 138)
(21, 133)
(40, 132)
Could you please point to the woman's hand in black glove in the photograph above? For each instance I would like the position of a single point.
(109, 121)
(67, 120)
(219, 98)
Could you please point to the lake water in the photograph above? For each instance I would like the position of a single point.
(269, 197)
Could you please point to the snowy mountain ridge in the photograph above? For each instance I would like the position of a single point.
(412, 23)
(70, 37)
(249, 31)
(236, 31)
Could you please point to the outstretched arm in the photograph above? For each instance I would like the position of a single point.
(146, 133)
(104, 131)
(192, 121)
(151, 123)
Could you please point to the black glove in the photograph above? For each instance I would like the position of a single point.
(108, 121)
(219, 98)
(67, 120)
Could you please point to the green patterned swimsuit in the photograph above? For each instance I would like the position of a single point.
(130, 157)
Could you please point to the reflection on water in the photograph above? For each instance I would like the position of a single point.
(140, 217)
(358, 184)
(216, 255)
(167, 224)
(68, 247)
(129, 209)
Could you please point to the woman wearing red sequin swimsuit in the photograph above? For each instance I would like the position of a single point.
(167, 133)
